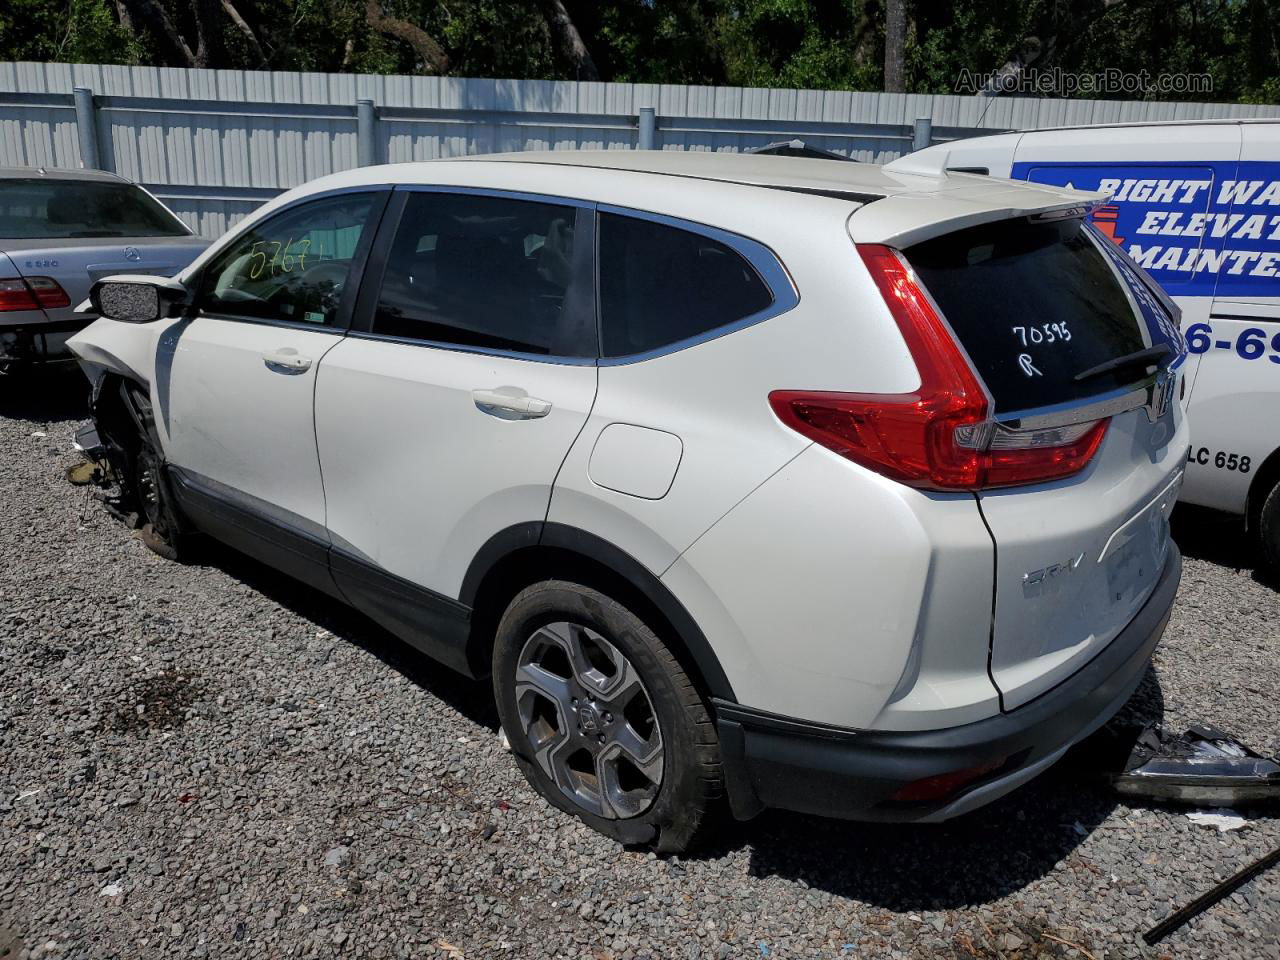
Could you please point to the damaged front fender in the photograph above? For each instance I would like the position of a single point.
(125, 349)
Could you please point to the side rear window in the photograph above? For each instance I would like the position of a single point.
(660, 284)
(1035, 305)
(484, 271)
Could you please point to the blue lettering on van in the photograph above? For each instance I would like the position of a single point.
(1198, 228)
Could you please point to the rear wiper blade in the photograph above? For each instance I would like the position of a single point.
(95, 233)
(1146, 356)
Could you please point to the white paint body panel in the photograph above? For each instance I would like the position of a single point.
(638, 461)
(1046, 631)
(229, 416)
(416, 476)
(831, 588)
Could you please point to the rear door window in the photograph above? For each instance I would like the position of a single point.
(1035, 304)
(487, 272)
(660, 285)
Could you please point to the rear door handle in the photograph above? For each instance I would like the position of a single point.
(287, 360)
(508, 404)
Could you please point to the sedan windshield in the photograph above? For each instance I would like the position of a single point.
(59, 209)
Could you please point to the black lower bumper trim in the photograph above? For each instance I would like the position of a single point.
(26, 341)
(773, 761)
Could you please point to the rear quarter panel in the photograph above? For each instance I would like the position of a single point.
(714, 396)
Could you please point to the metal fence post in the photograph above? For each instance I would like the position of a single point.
(648, 128)
(366, 133)
(87, 128)
(922, 135)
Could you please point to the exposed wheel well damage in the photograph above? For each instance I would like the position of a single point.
(564, 553)
(119, 406)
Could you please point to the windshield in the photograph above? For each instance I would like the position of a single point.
(1040, 309)
(60, 209)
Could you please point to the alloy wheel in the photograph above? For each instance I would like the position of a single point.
(590, 720)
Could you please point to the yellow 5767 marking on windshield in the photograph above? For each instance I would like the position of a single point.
(281, 260)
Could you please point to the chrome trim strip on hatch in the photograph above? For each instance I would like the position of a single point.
(1154, 392)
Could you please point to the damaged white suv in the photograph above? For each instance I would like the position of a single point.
(822, 486)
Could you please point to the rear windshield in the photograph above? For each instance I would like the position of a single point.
(1035, 304)
(60, 209)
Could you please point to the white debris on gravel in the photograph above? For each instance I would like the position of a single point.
(276, 728)
(1222, 820)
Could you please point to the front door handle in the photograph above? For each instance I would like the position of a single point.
(287, 360)
(510, 403)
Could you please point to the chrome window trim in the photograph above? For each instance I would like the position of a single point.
(767, 265)
(263, 322)
(482, 351)
(1109, 404)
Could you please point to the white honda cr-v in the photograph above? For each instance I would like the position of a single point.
(822, 486)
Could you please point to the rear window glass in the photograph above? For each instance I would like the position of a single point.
(60, 209)
(1034, 304)
(660, 285)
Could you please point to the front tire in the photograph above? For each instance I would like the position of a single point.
(603, 720)
(162, 529)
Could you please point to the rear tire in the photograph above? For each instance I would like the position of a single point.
(602, 719)
(1269, 529)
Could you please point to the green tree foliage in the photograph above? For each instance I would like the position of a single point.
(832, 44)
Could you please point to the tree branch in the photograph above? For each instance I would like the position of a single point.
(570, 40)
(432, 55)
(210, 51)
(243, 26)
(151, 11)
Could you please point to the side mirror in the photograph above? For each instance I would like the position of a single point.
(135, 298)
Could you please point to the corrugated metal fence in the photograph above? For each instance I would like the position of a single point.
(216, 143)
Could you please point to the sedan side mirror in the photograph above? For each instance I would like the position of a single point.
(136, 298)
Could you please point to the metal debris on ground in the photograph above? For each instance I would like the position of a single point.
(1203, 766)
(1207, 900)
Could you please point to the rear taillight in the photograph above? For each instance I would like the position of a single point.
(49, 293)
(14, 295)
(941, 436)
(32, 293)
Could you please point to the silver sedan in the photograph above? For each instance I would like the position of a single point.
(60, 230)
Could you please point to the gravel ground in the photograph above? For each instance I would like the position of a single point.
(209, 761)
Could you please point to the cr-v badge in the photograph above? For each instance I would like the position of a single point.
(1034, 578)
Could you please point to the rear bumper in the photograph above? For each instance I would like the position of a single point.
(772, 761)
(32, 336)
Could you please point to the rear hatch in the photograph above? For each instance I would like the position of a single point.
(1047, 311)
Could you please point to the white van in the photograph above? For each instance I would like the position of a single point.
(1198, 205)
